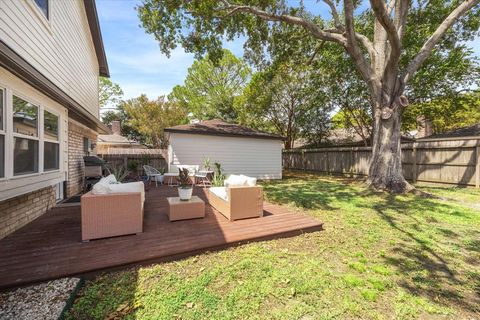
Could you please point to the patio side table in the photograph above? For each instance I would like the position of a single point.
(183, 210)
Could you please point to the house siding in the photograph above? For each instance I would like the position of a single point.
(260, 158)
(16, 185)
(76, 152)
(60, 48)
(17, 212)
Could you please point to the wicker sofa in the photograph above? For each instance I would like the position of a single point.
(238, 200)
(113, 212)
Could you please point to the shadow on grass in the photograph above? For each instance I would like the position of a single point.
(428, 269)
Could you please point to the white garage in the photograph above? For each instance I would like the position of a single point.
(238, 149)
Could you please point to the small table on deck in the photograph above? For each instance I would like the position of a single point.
(183, 210)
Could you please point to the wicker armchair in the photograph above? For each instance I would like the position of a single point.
(113, 214)
(237, 201)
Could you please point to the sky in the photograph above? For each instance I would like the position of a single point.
(134, 57)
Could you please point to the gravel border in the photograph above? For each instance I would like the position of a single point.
(46, 300)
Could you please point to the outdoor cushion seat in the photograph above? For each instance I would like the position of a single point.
(237, 200)
(112, 209)
(109, 184)
(220, 192)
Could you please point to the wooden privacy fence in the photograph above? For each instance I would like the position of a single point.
(121, 157)
(441, 161)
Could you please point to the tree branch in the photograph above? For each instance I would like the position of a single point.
(400, 19)
(336, 17)
(352, 45)
(381, 13)
(428, 46)
(314, 29)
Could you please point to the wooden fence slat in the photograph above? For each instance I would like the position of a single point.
(448, 161)
(156, 160)
(477, 167)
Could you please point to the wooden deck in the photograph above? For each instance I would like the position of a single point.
(50, 247)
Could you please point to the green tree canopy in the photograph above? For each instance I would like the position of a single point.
(283, 99)
(109, 93)
(210, 88)
(150, 117)
(446, 113)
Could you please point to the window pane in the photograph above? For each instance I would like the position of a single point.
(50, 126)
(1, 109)
(25, 156)
(43, 5)
(25, 117)
(2, 156)
(51, 156)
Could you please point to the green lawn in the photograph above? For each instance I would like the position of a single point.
(379, 257)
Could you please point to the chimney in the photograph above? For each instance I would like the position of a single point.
(116, 128)
(425, 127)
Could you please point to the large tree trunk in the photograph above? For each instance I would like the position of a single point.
(386, 163)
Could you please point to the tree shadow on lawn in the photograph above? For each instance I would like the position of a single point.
(428, 269)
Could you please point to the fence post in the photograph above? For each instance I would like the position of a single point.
(414, 164)
(477, 165)
(327, 163)
(304, 161)
(352, 171)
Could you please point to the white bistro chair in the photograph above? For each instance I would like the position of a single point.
(151, 172)
(203, 177)
(173, 174)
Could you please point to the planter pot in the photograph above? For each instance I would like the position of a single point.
(160, 178)
(185, 194)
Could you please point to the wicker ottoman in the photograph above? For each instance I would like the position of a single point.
(183, 210)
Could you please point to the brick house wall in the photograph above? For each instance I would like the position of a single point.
(76, 152)
(17, 212)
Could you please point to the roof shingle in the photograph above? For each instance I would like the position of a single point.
(470, 131)
(221, 128)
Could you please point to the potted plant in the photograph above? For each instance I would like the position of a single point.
(132, 166)
(184, 188)
(206, 163)
(162, 177)
(120, 173)
(218, 176)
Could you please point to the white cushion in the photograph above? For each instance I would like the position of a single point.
(101, 187)
(108, 179)
(235, 180)
(137, 186)
(220, 192)
(251, 181)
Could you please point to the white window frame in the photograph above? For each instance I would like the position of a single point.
(24, 136)
(10, 135)
(59, 130)
(41, 17)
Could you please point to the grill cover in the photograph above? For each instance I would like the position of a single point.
(93, 161)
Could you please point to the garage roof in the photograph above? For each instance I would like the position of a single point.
(470, 131)
(218, 127)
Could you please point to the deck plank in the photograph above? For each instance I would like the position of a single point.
(50, 247)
